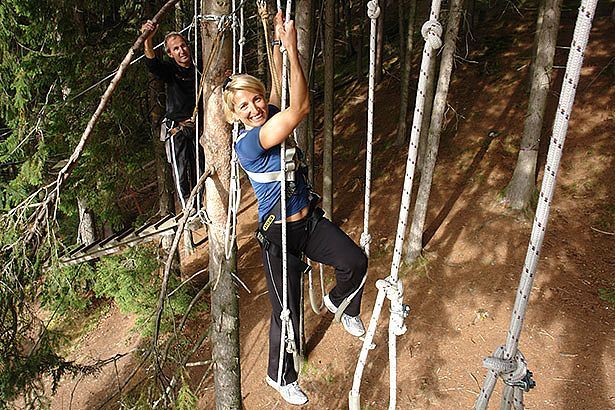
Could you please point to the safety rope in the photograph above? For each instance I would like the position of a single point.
(508, 362)
(391, 287)
(196, 103)
(263, 13)
(234, 199)
(373, 12)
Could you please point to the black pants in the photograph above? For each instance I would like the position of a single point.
(327, 244)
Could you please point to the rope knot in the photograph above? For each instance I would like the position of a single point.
(432, 31)
(285, 315)
(513, 371)
(262, 9)
(373, 10)
(366, 238)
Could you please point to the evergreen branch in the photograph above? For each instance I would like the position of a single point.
(53, 197)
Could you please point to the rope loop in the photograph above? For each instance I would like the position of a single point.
(432, 33)
(373, 10)
(366, 238)
(513, 371)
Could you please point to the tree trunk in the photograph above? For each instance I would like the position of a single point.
(303, 22)
(380, 42)
(87, 229)
(437, 116)
(523, 183)
(216, 141)
(402, 125)
(327, 157)
(430, 89)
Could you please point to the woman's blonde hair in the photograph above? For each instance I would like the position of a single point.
(239, 82)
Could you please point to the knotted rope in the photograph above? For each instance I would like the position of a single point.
(391, 287)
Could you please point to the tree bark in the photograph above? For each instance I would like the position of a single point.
(327, 166)
(437, 116)
(216, 141)
(303, 22)
(87, 229)
(402, 124)
(523, 183)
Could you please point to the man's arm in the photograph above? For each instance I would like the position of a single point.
(148, 45)
(155, 66)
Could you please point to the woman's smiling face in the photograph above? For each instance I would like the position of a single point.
(250, 108)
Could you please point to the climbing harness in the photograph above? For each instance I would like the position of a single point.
(391, 287)
(508, 362)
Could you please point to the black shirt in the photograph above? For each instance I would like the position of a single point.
(180, 84)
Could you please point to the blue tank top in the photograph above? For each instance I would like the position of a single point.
(254, 158)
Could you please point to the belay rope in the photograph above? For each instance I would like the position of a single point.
(391, 287)
(234, 198)
(508, 362)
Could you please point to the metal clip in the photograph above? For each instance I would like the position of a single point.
(526, 383)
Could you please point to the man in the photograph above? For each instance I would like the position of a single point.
(178, 128)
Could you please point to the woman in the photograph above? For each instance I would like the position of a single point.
(258, 151)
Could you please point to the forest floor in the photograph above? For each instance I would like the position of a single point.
(461, 293)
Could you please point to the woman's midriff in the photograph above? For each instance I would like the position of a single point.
(298, 216)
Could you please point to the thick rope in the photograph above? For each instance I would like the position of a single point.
(373, 11)
(513, 395)
(234, 200)
(391, 287)
(196, 103)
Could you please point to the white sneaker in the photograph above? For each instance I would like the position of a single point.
(291, 393)
(353, 325)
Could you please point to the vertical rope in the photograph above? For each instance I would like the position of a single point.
(196, 85)
(373, 12)
(391, 287)
(560, 126)
(285, 316)
(230, 233)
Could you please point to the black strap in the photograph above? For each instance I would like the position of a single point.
(276, 250)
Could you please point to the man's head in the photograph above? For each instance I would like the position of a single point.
(177, 48)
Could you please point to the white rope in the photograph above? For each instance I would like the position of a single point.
(234, 199)
(392, 287)
(196, 88)
(516, 376)
(373, 11)
(287, 338)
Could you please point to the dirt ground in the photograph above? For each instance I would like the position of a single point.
(462, 294)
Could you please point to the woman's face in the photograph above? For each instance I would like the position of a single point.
(250, 108)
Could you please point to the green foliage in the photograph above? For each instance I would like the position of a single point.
(186, 399)
(607, 294)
